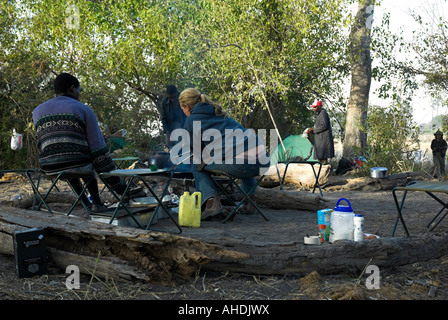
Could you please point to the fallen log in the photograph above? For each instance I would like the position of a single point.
(342, 256)
(123, 252)
(246, 245)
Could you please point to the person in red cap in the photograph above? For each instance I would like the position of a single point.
(323, 134)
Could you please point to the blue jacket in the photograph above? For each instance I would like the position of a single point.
(234, 136)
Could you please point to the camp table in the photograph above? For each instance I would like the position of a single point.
(426, 186)
(129, 175)
(119, 162)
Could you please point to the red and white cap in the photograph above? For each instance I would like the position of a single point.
(316, 103)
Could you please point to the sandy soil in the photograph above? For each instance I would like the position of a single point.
(426, 280)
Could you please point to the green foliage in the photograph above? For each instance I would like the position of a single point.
(392, 137)
(253, 56)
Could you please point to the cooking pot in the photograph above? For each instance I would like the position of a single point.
(378, 172)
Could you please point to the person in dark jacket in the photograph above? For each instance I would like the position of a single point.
(220, 143)
(172, 115)
(323, 134)
(439, 147)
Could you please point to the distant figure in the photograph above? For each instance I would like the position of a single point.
(323, 134)
(69, 137)
(439, 147)
(172, 115)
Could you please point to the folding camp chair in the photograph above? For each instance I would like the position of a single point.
(81, 172)
(227, 187)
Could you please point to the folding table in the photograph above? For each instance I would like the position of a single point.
(129, 175)
(430, 188)
(311, 163)
(119, 162)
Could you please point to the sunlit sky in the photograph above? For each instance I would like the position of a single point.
(400, 18)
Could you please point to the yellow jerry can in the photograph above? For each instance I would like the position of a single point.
(190, 210)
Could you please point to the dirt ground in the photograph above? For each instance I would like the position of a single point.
(426, 280)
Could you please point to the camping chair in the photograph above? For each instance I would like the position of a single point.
(81, 172)
(227, 190)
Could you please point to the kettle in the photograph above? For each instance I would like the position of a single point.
(160, 159)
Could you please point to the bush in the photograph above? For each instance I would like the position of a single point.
(392, 138)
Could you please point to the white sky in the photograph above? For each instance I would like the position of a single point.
(400, 18)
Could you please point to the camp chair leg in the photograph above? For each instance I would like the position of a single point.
(399, 215)
(84, 189)
(44, 198)
(53, 185)
(223, 190)
(246, 196)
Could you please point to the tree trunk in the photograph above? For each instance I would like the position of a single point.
(361, 68)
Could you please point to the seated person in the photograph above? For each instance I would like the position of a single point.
(69, 137)
(244, 158)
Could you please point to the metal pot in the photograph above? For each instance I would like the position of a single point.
(378, 172)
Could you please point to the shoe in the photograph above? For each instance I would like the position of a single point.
(97, 208)
(213, 211)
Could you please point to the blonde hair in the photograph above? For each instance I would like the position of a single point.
(192, 96)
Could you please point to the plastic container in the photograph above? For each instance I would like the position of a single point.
(190, 210)
(341, 223)
(358, 221)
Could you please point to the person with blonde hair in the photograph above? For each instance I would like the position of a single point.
(220, 143)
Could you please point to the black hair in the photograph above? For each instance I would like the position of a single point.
(171, 89)
(63, 82)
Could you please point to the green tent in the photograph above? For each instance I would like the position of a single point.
(297, 148)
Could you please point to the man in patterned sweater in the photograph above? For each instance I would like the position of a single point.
(68, 137)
